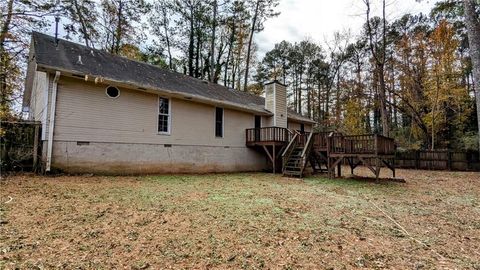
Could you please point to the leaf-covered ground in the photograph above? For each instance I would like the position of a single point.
(240, 221)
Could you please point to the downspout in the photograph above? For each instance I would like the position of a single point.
(51, 123)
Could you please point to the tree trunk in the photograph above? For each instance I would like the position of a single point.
(86, 36)
(383, 102)
(191, 43)
(249, 49)
(167, 37)
(212, 60)
(473, 28)
(383, 90)
(4, 57)
(320, 114)
(118, 33)
(299, 93)
(230, 47)
(327, 106)
(218, 65)
(197, 53)
(309, 100)
(338, 108)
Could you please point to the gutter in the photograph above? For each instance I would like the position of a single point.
(51, 123)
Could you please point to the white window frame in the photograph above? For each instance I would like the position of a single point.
(169, 128)
(215, 123)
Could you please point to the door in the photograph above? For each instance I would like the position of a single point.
(258, 125)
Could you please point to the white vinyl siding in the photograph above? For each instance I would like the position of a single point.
(85, 113)
(280, 106)
(39, 100)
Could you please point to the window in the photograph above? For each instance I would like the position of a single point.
(112, 92)
(163, 115)
(219, 122)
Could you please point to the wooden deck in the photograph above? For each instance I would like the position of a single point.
(370, 145)
(371, 150)
(323, 150)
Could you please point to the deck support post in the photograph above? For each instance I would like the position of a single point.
(393, 167)
(333, 163)
(274, 159)
(390, 166)
(350, 162)
(270, 156)
(377, 169)
(339, 169)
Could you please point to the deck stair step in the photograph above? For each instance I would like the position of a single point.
(293, 167)
(292, 173)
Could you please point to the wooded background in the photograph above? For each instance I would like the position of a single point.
(411, 78)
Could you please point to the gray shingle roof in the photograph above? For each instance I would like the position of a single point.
(79, 59)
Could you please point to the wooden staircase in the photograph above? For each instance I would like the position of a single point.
(293, 166)
(297, 155)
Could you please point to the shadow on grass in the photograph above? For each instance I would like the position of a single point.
(357, 183)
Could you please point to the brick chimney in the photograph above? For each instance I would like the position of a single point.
(276, 102)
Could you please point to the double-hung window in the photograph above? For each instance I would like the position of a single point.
(163, 115)
(219, 122)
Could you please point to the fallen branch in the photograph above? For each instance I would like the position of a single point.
(404, 230)
(10, 199)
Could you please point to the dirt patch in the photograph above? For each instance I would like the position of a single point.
(241, 221)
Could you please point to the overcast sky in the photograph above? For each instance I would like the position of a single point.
(319, 19)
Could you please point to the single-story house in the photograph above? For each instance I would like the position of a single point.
(103, 113)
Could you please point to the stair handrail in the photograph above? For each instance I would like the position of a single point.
(291, 131)
(289, 145)
(307, 144)
(306, 151)
(288, 150)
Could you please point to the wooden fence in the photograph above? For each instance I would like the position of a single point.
(19, 145)
(438, 160)
(435, 160)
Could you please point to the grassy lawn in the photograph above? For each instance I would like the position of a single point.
(240, 221)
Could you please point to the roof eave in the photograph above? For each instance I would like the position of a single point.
(301, 120)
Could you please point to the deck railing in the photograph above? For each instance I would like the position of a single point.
(302, 138)
(333, 143)
(268, 135)
(320, 142)
(361, 144)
